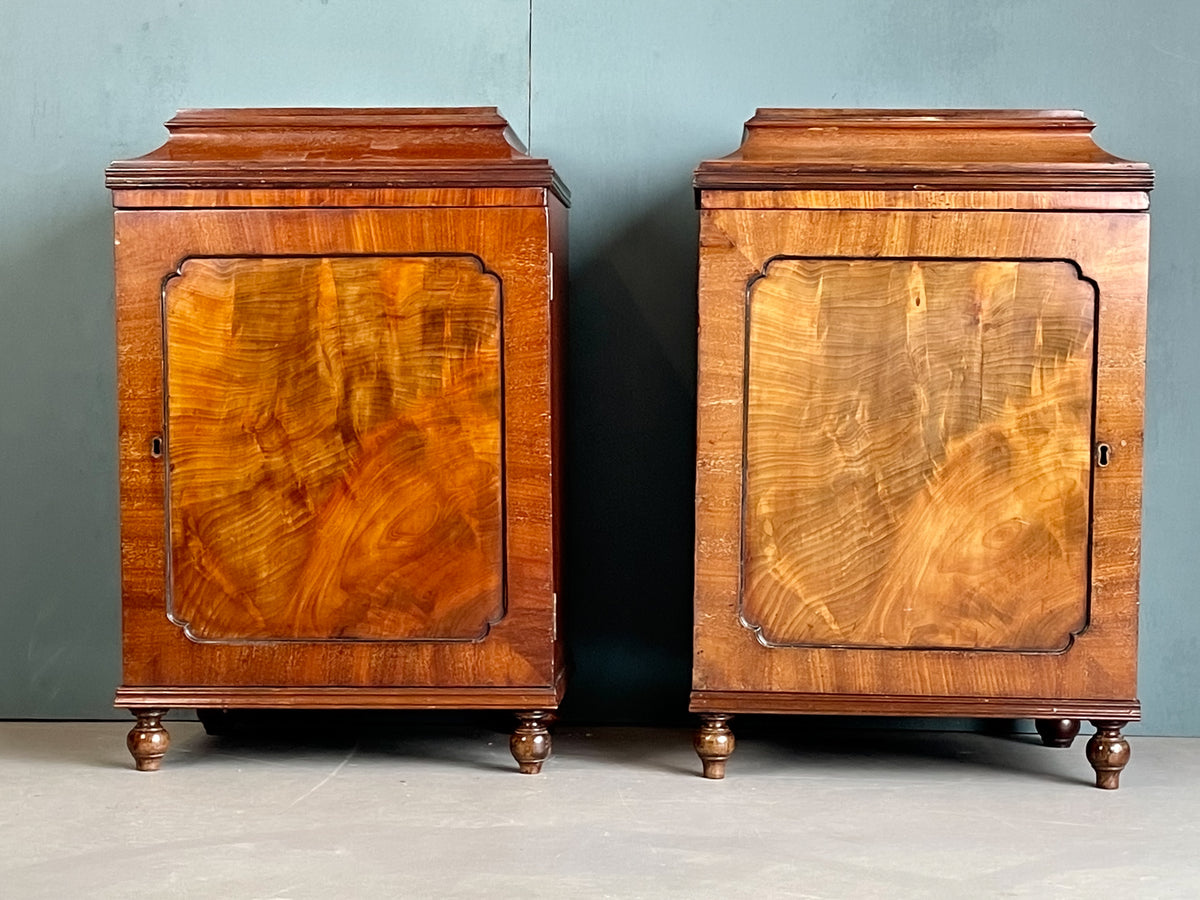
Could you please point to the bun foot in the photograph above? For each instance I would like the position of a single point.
(1108, 752)
(148, 740)
(1057, 732)
(714, 743)
(530, 742)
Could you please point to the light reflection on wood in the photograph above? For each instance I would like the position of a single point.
(918, 453)
(335, 447)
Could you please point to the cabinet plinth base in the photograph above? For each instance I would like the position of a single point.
(309, 697)
(148, 740)
(759, 702)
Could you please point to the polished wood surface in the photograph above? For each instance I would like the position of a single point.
(1108, 249)
(325, 197)
(300, 696)
(918, 441)
(355, 490)
(981, 200)
(921, 366)
(520, 649)
(147, 740)
(296, 147)
(1057, 732)
(714, 744)
(1108, 752)
(919, 149)
(882, 703)
(530, 743)
(339, 369)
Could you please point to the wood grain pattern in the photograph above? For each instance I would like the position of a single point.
(921, 149)
(917, 461)
(978, 200)
(888, 704)
(317, 147)
(335, 448)
(326, 197)
(334, 697)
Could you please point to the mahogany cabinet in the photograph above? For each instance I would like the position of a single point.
(919, 456)
(339, 347)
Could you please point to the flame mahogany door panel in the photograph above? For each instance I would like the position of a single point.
(921, 362)
(334, 448)
(917, 428)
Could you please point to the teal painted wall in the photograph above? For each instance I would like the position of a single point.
(624, 98)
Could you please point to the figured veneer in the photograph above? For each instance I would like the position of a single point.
(339, 347)
(918, 428)
(356, 493)
(921, 362)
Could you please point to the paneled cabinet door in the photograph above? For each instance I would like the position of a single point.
(336, 474)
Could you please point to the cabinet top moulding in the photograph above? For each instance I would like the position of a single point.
(426, 147)
(923, 149)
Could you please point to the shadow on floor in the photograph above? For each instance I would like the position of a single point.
(768, 746)
(815, 742)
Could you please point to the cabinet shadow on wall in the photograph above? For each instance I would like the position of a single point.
(631, 425)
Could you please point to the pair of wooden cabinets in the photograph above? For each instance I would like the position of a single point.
(919, 420)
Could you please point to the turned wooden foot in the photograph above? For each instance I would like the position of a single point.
(1057, 732)
(714, 743)
(530, 742)
(148, 740)
(1108, 752)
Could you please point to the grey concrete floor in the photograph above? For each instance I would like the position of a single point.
(439, 811)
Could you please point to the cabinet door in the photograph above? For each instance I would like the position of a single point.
(896, 487)
(355, 483)
(334, 448)
(917, 453)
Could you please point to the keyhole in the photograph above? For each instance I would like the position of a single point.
(156, 446)
(1103, 455)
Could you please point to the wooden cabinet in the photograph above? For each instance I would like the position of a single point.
(339, 350)
(921, 364)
